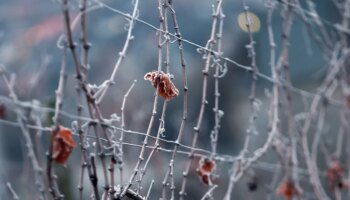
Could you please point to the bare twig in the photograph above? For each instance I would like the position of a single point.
(121, 139)
(12, 191)
(122, 54)
(39, 177)
(208, 58)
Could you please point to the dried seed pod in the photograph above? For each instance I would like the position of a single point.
(160, 80)
(62, 144)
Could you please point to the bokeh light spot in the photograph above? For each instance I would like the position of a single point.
(251, 19)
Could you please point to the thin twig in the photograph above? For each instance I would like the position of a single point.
(121, 139)
(12, 191)
(122, 54)
(208, 58)
(39, 177)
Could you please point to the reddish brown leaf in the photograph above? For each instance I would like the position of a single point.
(62, 144)
(205, 170)
(335, 176)
(206, 165)
(287, 190)
(204, 178)
(160, 80)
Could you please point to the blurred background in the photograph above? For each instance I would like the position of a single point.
(29, 39)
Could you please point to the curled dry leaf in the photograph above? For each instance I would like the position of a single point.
(287, 190)
(335, 176)
(62, 144)
(205, 170)
(160, 80)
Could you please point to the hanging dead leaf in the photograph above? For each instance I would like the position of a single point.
(287, 190)
(205, 178)
(160, 80)
(62, 144)
(335, 176)
(205, 170)
(207, 165)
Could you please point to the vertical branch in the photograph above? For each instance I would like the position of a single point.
(254, 67)
(121, 139)
(81, 179)
(254, 71)
(239, 166)
(169, 172)
(283, 63)
(218, 113)
(318, 134)
(161, 128)
(85, 161)
(311, 165)
(84, 40)
(60, 88)
(154, 112)
(122, 54)
(144, 144)
(163, 27)
(90, 99)
(208, 57)
(155, 146)
(94, 175)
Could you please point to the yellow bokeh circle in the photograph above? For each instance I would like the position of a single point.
(252, 19)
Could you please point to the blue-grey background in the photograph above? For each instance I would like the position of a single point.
(29, 30)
